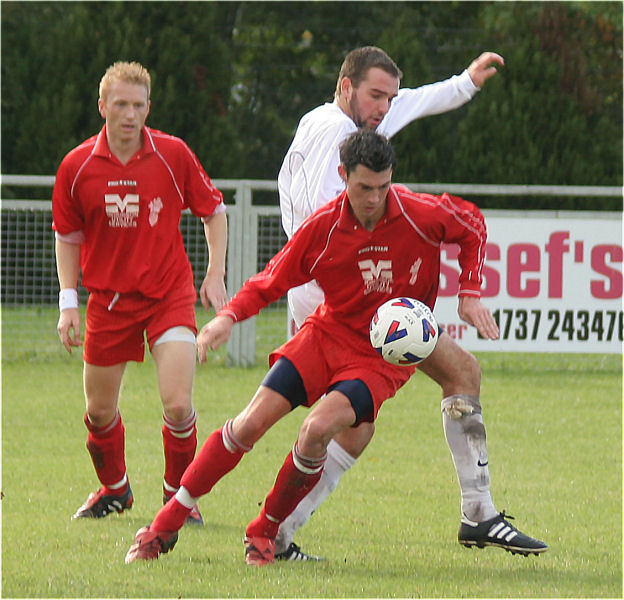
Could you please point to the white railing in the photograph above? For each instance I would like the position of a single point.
(243, 218)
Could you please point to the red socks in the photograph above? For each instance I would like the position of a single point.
(220, 453)
(106, 446)
(179, 444)
(298, 475)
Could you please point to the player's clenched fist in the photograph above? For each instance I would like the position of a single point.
(214, 334)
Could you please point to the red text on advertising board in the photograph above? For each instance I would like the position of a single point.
(520, 270)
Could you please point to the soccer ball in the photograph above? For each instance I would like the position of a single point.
(404, 331)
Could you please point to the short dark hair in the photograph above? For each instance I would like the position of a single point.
(357, 63)
(368, 148)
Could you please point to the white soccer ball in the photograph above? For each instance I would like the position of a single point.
(404, 331)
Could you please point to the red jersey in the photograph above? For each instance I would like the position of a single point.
(358, 269)
(129, 214)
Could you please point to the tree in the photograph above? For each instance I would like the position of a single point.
(234, 78)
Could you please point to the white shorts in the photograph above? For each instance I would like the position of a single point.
(303, 300)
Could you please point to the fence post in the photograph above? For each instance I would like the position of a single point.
(240, 349)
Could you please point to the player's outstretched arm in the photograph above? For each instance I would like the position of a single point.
(214, 334)
(475, 313)
(484, 67)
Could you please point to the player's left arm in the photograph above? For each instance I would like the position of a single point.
(440, 97)
(475, 313)
(466, 226)
(213, 291)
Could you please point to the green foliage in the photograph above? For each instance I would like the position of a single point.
(234, 78)
(545, 119)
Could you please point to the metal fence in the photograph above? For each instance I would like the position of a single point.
(29, 272)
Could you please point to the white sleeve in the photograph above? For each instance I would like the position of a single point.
(309, 176)
(427, 100)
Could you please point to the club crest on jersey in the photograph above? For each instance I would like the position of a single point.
(122, 212)
(155, 207)
(377, 276)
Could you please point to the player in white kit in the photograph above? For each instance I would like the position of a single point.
(367, 96)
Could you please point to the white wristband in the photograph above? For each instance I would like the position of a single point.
(68, 298)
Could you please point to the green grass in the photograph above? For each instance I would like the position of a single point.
(554, 433)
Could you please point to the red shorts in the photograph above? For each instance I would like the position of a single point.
(118, 335)
(323, 359)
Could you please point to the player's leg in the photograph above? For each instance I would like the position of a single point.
(105, 441)
(459, 375)
(113, 336)
(174, 355)
(221, 452)
(342, 452)
(302, 468)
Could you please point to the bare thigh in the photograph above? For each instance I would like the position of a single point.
(453, 368)
(175, 365)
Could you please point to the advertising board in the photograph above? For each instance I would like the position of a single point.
(553, 281)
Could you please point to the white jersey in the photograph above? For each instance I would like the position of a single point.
(309, 176)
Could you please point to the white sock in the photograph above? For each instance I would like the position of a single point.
(338, 462)
(465, 435)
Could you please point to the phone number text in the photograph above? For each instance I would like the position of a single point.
(581, 325)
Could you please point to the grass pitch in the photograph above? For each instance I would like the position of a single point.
(554, 426)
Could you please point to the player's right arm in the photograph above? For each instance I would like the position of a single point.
(68, 268)
(214, 334)
(68, 226)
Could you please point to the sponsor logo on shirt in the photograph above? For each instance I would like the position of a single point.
(377, 276)
(122, 212)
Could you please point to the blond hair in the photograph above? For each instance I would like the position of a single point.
(128, 72)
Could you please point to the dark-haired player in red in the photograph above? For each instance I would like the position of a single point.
(373, 242)
(116, 206)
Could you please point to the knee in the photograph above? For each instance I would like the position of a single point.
(472, 369)
(178, 410)
(465, 377)
(314, 432)
(101, 416)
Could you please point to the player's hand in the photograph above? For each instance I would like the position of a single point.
(214, 334)
(483, 67)
(68, 328)
(213, 292)
(475, 313)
